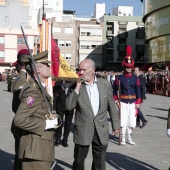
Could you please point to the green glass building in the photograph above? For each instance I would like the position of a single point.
(157, 27)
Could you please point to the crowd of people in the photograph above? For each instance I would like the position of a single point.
(40, 119)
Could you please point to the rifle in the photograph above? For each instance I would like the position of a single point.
(119, 114)
(50, 115)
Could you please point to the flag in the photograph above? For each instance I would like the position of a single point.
(65, 70)
(55, 57)
(61, 69)
(45, 44)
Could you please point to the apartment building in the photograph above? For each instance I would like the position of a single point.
(78, 38)
(64, 34)
(11, 41)
(89, 41)
(118, 32)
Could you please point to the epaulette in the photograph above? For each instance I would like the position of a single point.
(26, 86)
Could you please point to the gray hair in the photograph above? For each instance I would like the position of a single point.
(91, 62)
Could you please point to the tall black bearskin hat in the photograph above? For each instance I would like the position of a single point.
(128, 60)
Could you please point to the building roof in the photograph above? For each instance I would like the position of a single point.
(69, 12)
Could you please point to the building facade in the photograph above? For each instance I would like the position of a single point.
(118, 32)
(79, 39)
(64, 34)
(103, 40)
(157, 24)
(11, 41)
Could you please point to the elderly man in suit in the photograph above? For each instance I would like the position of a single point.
(36, 148)
(92, 99)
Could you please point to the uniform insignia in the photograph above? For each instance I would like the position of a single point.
(30, 101)
(129, 60)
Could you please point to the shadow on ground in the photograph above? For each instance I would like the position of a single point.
(123, 162)
(159, 117)
(166, 110)
(60, 162)
(6, 160)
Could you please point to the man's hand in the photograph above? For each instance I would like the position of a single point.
(78, 85)
(137, 106)
(118, 104)
(115, 132)
(50, 124)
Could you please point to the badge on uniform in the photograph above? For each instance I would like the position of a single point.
(30, 101)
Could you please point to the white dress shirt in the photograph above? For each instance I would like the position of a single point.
(93, 94)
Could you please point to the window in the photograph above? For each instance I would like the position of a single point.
(2, 54)
(121, 54)
(95, 44)
(68, 30)
(2, 40)
(84, 45)
(90, 44)
(122, 28)
(68, 43)
(85, 31)
(61, 43)
(56, 30)
(109, 28)
(68, 56)
(20, 40)
(96, 32)
(122, 40)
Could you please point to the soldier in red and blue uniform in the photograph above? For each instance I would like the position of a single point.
(127, 96)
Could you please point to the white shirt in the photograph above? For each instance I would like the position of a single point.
(93, 94)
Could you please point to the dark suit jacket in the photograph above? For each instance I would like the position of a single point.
(143, 86)
(36, 143)
(85, 121)
(60, 96)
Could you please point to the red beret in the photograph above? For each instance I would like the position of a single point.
(15, 63)
(23, 51)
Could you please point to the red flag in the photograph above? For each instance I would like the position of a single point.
(55, 57)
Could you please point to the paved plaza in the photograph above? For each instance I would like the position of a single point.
(152, 150)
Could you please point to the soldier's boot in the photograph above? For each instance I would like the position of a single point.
(123, 140)
(129, 140)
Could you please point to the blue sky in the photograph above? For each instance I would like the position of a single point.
(86, 7)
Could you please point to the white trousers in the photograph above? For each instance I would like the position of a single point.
(127, 113)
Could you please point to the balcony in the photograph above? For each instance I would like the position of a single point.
(110, 33)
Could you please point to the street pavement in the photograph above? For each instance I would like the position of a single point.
(151, 152)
